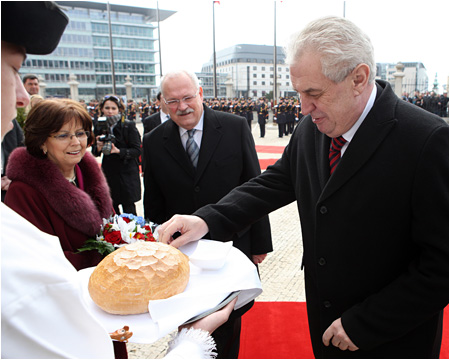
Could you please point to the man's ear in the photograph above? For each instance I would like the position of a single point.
(360, 77)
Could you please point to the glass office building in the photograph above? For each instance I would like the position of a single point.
(85, 51)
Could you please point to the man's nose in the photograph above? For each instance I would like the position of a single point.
(22, 97)
(307, 106)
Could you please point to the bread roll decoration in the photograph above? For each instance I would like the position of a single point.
(125, 280)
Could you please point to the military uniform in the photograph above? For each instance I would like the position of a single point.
(263, 113)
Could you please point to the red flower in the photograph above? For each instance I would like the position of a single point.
(150, 237)
(139, 236)
(113, 237)
(147, 227)
(126, 220)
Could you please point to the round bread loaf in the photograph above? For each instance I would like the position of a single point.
(125, 280)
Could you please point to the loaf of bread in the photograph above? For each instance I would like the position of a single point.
(125, 280)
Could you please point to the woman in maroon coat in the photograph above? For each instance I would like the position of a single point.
(56, 184)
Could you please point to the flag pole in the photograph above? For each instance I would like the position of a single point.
(113, 71)
(214, 54)
(275, 79)
(159, 40)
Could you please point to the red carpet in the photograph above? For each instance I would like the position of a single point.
(267, 149)
(279, 330)
(264, 163)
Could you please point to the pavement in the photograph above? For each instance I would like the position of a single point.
(281, 275)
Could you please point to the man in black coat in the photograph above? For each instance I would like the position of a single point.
(157, 118)
(375, 230)
(226, 158)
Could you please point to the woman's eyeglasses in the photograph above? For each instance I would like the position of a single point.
(66, 137)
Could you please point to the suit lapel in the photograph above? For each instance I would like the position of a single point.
(368, 137)
(322, 143)
(210, 140)
(172, 143)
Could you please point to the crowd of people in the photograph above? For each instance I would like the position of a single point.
(368, 171)
(430, 101)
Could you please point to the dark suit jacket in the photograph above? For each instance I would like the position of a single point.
(375, 233)
(227, 159)
(152, 121)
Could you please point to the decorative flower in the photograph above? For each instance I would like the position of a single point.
(120, 230)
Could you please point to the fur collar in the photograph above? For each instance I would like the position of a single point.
(82, 210)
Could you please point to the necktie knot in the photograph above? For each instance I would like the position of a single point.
(335, 152)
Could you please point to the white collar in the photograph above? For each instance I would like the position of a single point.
(164, 116)
(349, 134)
(199, 126)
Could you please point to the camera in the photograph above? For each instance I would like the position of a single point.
(104, 129)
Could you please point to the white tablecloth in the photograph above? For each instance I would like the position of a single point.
(205, 290)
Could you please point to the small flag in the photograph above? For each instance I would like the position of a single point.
(218, 2)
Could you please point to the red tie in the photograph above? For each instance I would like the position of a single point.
(335, 152)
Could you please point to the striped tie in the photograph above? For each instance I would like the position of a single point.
(192, 148)
(335, 152)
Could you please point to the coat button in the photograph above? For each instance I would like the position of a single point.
(197, 189)
(327, 304)
(323, 210)
(322, 262)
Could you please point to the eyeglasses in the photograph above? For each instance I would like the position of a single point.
(66, 137)
(175, 103)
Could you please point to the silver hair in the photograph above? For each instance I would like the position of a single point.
(340, 43)
(177, 73)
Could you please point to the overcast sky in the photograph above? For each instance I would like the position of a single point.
(400, 30)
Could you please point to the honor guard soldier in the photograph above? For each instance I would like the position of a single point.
(216, 105)
(250, 109)
(263, 113)
(281, 118)
(290, 115)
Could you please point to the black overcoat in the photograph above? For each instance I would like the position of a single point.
(375, 233)
(227, 159)
(122, 170)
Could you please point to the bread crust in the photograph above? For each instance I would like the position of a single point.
(125, 280)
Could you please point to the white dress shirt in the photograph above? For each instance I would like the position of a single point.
(164, 117)
(197, 135)
(349, 134)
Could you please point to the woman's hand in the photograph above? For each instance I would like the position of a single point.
(213, 321)
(99, 144)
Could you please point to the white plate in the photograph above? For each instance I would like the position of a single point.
(206, 289)
(207, 254)
(227, 300)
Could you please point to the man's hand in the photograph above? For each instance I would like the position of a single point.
(338, 337)
(192, 228)
(258, 259)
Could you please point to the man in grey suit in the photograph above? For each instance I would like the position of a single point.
(370, 176)
(223, 157)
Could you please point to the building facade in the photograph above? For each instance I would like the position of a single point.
(248, 71)
(416, 77)
(84, 51)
